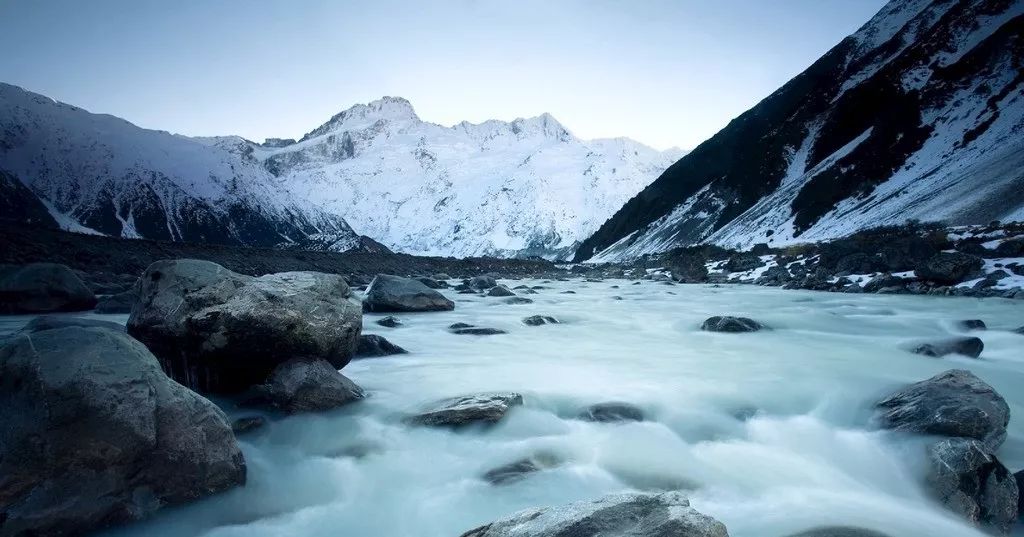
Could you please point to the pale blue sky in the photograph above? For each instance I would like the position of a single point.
(665, 72)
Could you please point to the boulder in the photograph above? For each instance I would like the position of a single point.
(218, 331)
(500, 290)
(537, 320)
(372, 345)
(630, 514)
(948, 267)
(1011, 248)
(518, 470)
(689, 269)
(481, 283)
(838, 531)
(41, 288)
(304, 385)
(390, 322)
(50, 322)
(432, 283)
(119, 303)
(883, 281)
(952, 403)
(483, 408)
(971, 482)
(394, 293)
(514, 300)
(612, 412)
(93, 433)
(247, 424)
(971, 324)
(967, 346)
(730, 324)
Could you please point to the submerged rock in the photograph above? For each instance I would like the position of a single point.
(390, 322)
(537, 320)
(730, 324)
(247, 424)
(394, 293)
(304, 385)
(483, 408)
(667, 514)
(219, 331)
(971, 324)
(464, 329)
(500, 290)
(612, 412)
(520, 469)
(967, 346)
(93, 433)
(372, 345)
(953, 403)
(970, 481)
(517, 300)
(41, 288)
(948, 267)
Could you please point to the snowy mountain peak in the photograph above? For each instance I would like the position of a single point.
(361, 116)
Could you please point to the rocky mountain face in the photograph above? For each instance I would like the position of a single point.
(917, 115)
(526, 187)
(519, 188)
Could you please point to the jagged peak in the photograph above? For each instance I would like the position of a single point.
(363, 115)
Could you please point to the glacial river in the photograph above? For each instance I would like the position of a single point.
(770, 432)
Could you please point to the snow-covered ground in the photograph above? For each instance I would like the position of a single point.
(769, 432)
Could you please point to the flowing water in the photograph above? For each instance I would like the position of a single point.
(770, 432)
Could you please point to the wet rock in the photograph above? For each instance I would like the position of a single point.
(500, 290)
(390, 322)
(481, 283)
(93, 433)
(483, 408)
(219, 331)
(519, 470)
(394, 293)
(247, 424)
(967, 346)
(568, 292)
(459, 326)
(631, 514)
(372, 345)
(742, 262)
(51, 322)
(952, 403)
(309, 385)
(119, 303)
(517, 300)
(970, 481)
(612, 412)
(41, 288)
(470, 330)
(731, 324)
(971, 324)
(432, 283)
(839, 531)
(948, 267)
(537, 320)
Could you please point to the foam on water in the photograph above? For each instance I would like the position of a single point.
(769, 432)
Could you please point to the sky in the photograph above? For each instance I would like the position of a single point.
(664, 72)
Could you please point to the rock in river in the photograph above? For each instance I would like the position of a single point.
(93, 433)
(952, 403)
(394, 293)
(305, 385)
(372, 345)
(967, 346)
(518, 470)
(485, 408)
(612, 412)
(500, 290)
(41, 288)
(970, 481)
(390, 322)
(537, 320)
(627, 515)
(219, 331)
(730, 324)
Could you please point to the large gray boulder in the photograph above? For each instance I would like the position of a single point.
(93, 433)
(948, 268)
(41, 288)
(302, 385)
(953, 403)
(218, 331)
(970, 481)
(394, 293)
(730, 324)
(482, 408)
(620, 515)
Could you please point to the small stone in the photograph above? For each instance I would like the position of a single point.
(730, 324)
(390, 322)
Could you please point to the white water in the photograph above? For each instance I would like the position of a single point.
(808, 457)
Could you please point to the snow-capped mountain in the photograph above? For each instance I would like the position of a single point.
(497, 188)
(525, 187)
(101, 174)
(918, 115)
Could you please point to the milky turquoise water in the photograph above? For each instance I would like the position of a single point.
(770, 432)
